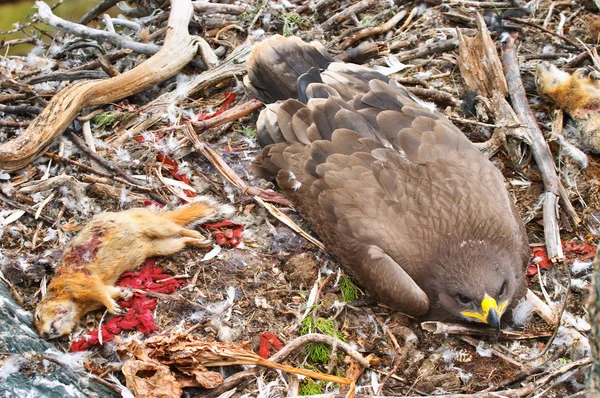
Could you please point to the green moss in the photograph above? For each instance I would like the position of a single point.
(309, 387)
(250, 13)
(291, 22)
(247, 131)
(348, 289)
(319, 352)
(105, 119)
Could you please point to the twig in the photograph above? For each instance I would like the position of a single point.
(494, 126)
(26, 209)
(96, 171)
(497, 353)
(289, 222)
(534, 25)
(423, 51)
(441, 328)
(232, 114)
(526, 373)
(347, 13)
(109, 166)
(540, 149)
(319, 4)
(84, 374)
(434, 95)
(375, 30)
(482, 4)
(112, 57)
(283, 354)
(560, 312)
(593, 308)
(204, 7)
(228, 172)
(97, 10)
(68, 76)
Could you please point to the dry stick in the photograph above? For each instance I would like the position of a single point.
(560, 312)
(578, 60)
(179, 49)
(314, 7)
(112, 57)
(289, 222)
(204, 7)
(230, 115)
(109, 166)
(504, 357)
(26, 209)
(97, 379)
(375, 30)
(228, 173)
(423, 51)
(482, 4)
(542, 381)
(96, 171)
(435, 95)
(68, 76)
(441, 328)
(347, 13)
(543, 368)
(487, 79)
(540, 149)
(563, 38)
(96, 11)
(283, 354)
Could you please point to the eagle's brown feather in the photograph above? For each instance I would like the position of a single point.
(395, 191)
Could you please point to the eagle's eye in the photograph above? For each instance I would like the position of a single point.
(503, 288)
(463, 299)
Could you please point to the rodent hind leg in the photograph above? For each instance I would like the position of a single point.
(165, 247)
(168, 229)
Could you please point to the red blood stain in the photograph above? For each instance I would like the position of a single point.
(77, 257)
(229, 98)
(226, 232)
(140, 315)
(268, 343)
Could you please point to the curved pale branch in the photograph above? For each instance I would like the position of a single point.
(178, 50)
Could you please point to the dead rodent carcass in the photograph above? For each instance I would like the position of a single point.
(576, 93)
(108, 246)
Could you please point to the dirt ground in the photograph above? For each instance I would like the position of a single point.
(264, 285)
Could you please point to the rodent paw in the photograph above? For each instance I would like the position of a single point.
(202, 243)
(115, 309)
(126, 292)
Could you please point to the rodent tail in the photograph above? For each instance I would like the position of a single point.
(204, 209)
(276, 64)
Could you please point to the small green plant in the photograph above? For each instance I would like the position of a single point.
(250, 13)
(319, 352)
(367, 20)
(105, 119)
(309, 387)
(246, 131)
(291, 22)
(348, 289)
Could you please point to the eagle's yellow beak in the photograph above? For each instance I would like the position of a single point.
(490, 312)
